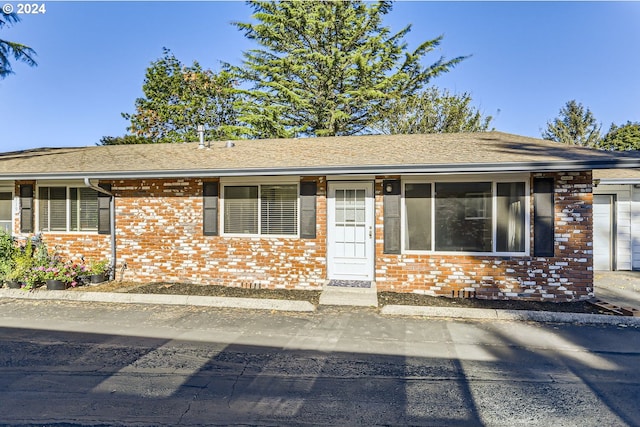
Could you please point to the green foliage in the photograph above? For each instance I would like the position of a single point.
(7, 246)
(327, 67)
(622, 138)
(99, 267)
(17, 51)
(23, 262)
(176, 100)
(7, 251)
(125, 140)
(432, 111)
(575, 125)
(55, 270)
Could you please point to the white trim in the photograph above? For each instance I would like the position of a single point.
(368, 265)
(472, 177)
(494, 205)
(350, 178)
(617, 181)
(259, 180)
(13, 205)
(250, 182)
(63, 184)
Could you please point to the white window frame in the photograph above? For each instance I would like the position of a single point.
(259, 182)
(67, 185)
(494, 180)
(10, 189)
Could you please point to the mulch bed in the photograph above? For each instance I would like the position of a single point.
(384, 298)
(393, 298)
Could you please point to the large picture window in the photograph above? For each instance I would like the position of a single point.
(484, 217)
(463, 217)
(67, 209)
(261, 209)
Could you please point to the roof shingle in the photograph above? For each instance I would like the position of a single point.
(366, 154)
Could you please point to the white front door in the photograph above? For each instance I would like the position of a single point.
(603, 231)
(350, 231)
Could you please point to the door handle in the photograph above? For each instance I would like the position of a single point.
(370, 232)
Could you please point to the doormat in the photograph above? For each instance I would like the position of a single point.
(350, 283)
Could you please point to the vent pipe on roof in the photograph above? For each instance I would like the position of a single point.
(201, 134)
(229, 144)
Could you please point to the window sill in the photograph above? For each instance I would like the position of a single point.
(262, 236)
(464, 253)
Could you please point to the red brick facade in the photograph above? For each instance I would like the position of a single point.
(566, 276)
(159, 235)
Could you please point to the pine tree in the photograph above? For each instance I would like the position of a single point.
(622, 138)
(177, 99)
(327, 67)
(575, 125)
(8, 49)
(433, 111)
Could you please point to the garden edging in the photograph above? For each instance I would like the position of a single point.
(305, 306)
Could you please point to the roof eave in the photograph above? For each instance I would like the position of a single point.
(618, 181)
(549, 166)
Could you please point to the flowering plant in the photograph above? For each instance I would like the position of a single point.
(64, 272)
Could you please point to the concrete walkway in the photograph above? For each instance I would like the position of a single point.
(359, 297)
(621, 288)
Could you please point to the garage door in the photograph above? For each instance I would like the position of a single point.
(603, 232)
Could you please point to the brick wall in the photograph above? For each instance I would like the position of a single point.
(566, 276)
(160, 238)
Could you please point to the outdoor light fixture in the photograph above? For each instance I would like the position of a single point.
(391, 187)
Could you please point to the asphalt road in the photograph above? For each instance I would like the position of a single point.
(71, 363)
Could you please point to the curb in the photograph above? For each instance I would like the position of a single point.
(305, 306)
(522, 315)
(222, 302)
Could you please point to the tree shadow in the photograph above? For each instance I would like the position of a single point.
(469, 374)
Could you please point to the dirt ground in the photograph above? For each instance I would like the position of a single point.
(384, 298)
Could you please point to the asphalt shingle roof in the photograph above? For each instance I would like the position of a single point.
(381, 154)
(617, 175)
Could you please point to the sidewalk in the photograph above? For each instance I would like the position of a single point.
(621, 288)
(625, 286)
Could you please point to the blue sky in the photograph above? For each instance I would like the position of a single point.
(528, 59)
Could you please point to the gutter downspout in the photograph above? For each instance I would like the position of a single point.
(112, 224)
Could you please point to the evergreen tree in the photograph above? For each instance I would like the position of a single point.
(575, 125)
(327, 67)
(124, 140)
(433, 111)
(622, 138)
(8, 49)
(177, 99)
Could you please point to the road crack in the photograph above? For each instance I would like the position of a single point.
(233, 387)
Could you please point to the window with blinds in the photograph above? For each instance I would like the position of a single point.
(261, 209)
(67, 209)
(279, 205)
(84, 209)
(241, 210)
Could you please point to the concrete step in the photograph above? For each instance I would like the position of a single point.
(352, 296)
